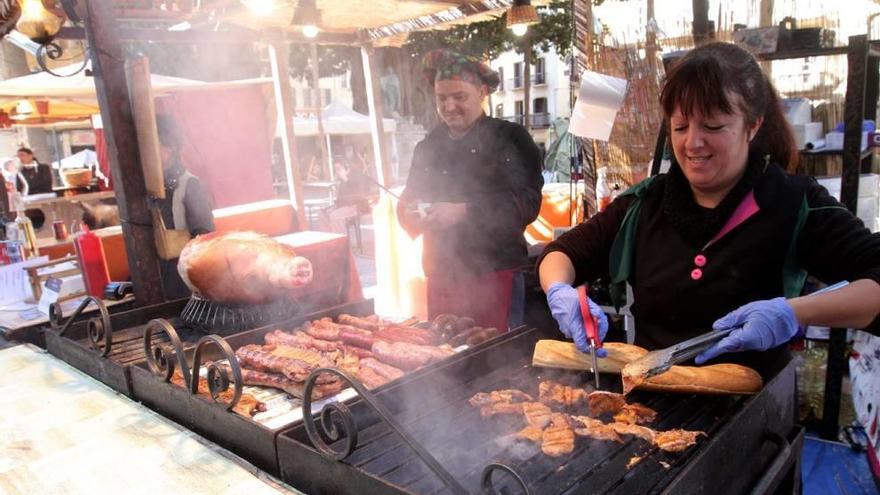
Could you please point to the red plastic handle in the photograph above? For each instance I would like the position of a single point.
(591, 326)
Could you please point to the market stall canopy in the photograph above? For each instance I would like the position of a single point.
(79, 87)
(31, 112)
(338, 119)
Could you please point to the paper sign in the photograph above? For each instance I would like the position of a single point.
(15, 285)
(51, 291)
(599, 99)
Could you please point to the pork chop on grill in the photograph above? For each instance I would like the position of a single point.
(602, 402)
(586, 426)
(552, 392)
(676, 440)
(635, 414)
(558, 438)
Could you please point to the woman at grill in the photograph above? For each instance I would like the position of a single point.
(726, 238)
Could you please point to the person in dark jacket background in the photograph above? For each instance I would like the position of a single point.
(474, 186)
(38, 175)
(726, 238)
(186, 205)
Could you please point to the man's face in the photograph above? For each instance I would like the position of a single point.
(459, 103)
(25, 157)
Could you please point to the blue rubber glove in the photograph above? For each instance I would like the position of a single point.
(759, 326)
(566, 309)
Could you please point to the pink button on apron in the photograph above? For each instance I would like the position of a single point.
(696, 274)
(700, 260)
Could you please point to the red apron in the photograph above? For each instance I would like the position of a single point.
(485, 298)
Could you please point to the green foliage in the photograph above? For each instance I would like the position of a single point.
(333, 60)
(488, 39)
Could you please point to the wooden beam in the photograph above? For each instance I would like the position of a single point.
(374, 100)
(701, 31)
(278, 55)
(108, 65)
(237, 36)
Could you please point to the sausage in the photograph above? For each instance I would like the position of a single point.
(362, 323)
(463, 337)
(482, 336)
(405, 334)
(385, 370)
(356, 337)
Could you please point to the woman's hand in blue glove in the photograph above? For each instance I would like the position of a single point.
(758, 326)
(566, 309)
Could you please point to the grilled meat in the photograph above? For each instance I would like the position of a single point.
(281, 382)
(241, 267)
(635, 414)
(255, 358)
(551, 392)
(602, 402)
(355, 351)
(363, 323)
(676, 440)
(322, 329)
(299, 339)
(502, 408)
(633, 461)
(506, 395)
(536, 414)
(408, 356)
(247, 405)
(481, 336)
(558, 438)
(645, 434)
(386, 371)
(531, 433)
(355, 336)
(370, 378)
(586, 426)
(409, 335)
(462, 337)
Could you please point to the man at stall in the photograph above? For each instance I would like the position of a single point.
(474, 186)
(38, 175)
(186, 205)
(725, 239)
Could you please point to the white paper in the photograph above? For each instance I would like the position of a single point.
(599, 99)
(15, 285)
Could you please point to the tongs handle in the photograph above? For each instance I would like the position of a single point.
(690, 348)
(591, 327)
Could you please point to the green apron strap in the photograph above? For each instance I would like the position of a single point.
(621, 256)
(793, 274)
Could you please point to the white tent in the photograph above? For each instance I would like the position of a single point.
(77, 160)
(338, 119)
(81, 86)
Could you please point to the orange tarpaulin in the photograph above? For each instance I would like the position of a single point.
(557, 211)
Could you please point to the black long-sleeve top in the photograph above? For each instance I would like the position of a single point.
(496, 170)
(39, 178)
(743, 266)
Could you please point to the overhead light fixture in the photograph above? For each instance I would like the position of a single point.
(23, 110)
(38, 22)
(261, 7)
(308, 17)
(520, 16)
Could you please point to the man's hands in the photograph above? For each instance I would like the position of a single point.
(444, 215)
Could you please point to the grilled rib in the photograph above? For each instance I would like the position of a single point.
(247, 405)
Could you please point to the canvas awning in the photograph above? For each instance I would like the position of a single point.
(338, 119)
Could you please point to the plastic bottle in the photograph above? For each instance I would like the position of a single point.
(92, 262)
(603, 191)
(23, 229)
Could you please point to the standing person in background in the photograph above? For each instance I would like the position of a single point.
(474, 186)
(38, 175)
(186, 205)
(14, 178)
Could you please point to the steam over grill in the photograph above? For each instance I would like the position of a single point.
(433, 410)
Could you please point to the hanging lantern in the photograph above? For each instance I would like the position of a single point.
(308, 18)
(40, 20)
(520, 16)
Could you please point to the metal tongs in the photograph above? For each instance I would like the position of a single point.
(591, 328)
(656, 362)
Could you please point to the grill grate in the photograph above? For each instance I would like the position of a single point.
(208, 316)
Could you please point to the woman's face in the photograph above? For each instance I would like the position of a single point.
(713, 149)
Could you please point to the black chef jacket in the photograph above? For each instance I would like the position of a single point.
(496, 170)
(39, 178)
(744, 265)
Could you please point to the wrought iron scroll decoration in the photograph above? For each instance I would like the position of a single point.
(100, 332)
(161, 357)
(330, 426)
(488, 485)
(218, 374)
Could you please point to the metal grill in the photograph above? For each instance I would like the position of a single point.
(208, 316)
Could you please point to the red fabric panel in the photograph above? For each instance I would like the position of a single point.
(227, 141)
(103, 159)
(485, 298)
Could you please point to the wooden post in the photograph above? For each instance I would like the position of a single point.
(108, 65)
(316, 77)
(701, 22)
(374, 100)
(527, 80)
(281, 83)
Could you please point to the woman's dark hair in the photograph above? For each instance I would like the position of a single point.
(26, 150)
(719, 76)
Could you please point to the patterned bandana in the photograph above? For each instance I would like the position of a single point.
(443, 63)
